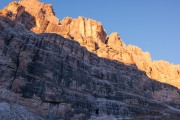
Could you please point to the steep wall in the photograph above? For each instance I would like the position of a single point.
(90, 34)
(60, 78)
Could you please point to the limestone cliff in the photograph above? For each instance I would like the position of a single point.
(69, 69)
(90, 33)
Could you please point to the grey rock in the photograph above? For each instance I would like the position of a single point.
(9, 111)
(50, 77)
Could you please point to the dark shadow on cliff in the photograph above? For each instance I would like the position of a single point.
(59, 70)
(25, 19)
(149, 85)
(131, 69)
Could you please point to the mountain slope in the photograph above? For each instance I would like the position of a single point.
(70, 69)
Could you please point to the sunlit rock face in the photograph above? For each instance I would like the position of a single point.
(87, 32)
(70, 69)
(39, 17)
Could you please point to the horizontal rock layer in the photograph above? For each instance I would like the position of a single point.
(78, 70)
(40, 17)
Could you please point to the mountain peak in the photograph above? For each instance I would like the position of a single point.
(40, 10)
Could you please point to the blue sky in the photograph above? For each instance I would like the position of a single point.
(153, 25)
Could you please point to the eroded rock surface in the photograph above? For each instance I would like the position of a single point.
(59, 78)
(90, 34)
(9, 111)
(39, 17)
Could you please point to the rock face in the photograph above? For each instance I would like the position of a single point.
(39, 17)
(13, 111)
(89, 33)
(71, 70)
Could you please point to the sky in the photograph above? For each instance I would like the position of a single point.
(153, 25)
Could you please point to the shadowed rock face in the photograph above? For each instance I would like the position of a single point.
(11, 111)
(59, 78)
(39, 17)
